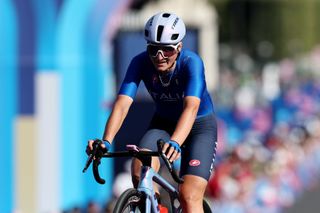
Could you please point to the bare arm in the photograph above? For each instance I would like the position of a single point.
(118, 114)
(186, 120)
(184, 125)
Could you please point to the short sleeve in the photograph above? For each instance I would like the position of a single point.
(195, 78)
(132, 79)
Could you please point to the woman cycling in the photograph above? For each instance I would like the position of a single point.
(184, 116)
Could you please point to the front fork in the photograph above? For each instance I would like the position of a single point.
(146, 186)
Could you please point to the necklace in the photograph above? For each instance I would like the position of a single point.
(165, 84)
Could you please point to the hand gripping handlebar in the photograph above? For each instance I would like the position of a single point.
(132, 151)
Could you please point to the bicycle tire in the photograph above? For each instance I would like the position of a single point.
(130, 201)
(206, 207)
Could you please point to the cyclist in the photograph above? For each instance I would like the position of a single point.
(184, 115)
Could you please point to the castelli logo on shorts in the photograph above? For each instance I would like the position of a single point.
(194, 162)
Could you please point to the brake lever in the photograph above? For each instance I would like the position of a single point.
(91, 156)
(89, 161)
(169, 165)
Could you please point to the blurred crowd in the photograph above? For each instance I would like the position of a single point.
(269, 152)
(269, 134)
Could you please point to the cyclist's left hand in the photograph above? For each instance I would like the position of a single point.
(172, 150)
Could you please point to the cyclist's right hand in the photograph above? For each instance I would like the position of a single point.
(104, 146)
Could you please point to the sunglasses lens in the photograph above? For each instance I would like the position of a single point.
(168, 51)
(152, 50)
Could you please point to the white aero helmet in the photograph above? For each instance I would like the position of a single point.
(164, 28)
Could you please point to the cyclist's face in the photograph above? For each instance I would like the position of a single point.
(163, 56)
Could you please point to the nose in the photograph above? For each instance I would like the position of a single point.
(159, 55)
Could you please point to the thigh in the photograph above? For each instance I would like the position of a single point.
(149, 142)
(198, 152)
(150, 138)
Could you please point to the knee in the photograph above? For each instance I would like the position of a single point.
(192, 192)
(190, 196)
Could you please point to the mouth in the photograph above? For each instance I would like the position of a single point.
(161, 61)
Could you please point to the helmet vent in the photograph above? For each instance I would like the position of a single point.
(159, 32)
(146, 33)
(166, 15)
(174, 36)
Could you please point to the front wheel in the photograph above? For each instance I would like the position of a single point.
(206, 207)
(130, 201)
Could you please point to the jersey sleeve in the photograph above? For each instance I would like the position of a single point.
(132, 79)
(195, 78)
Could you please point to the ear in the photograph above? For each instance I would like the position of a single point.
(180, 46)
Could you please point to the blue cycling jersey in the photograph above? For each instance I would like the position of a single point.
(168, 92)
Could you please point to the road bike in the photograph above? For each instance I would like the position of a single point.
(142, 199)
